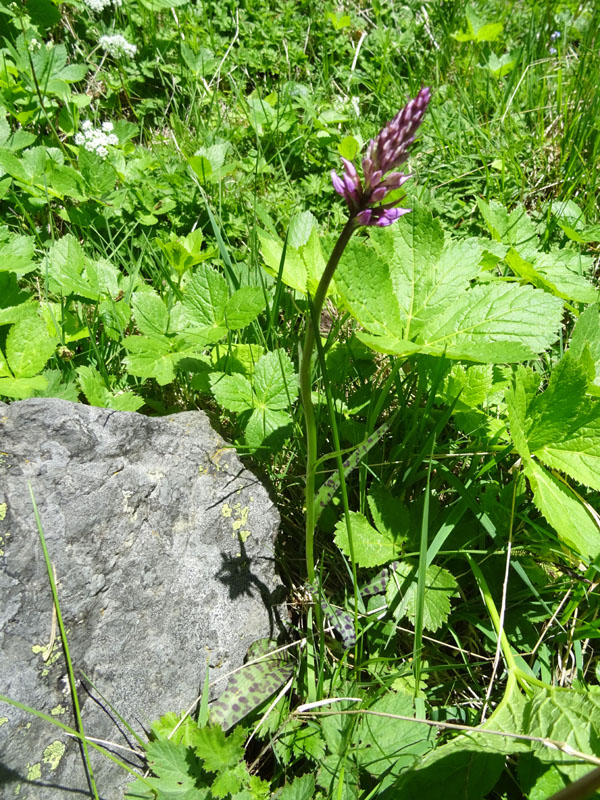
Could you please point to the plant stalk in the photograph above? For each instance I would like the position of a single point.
(306, 390)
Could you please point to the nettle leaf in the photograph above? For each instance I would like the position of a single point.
(412, 291)
(304, 260)
(387, 745)
(265, 422)
(470, 764)
(371, 547)
(401, 594)
(299, 789)
(478, 31)
(515, 229)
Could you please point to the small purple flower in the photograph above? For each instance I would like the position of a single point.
(552, 51)
(554, 36)
(385, 153)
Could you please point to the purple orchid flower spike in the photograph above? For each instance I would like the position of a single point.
(385, 153)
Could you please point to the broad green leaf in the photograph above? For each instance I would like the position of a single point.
(401, 594)
(233, 392)
(263, 423)
(16, 253)
(244, 306)
(477, 30)
(413, 292)
(151, 314)
(99, 175)
(304, 261)
(390, 515)
(387, 745)
(472, 385)
(371, 547)
(558, 272)
(205, 297)
(22, 388)
(151, 358)
(299, 789)
(96, 393)
(514, 229)
(28, 347)
(275, 383)
(586, 336)
(70, 271)
(562, 425)
(564, 511)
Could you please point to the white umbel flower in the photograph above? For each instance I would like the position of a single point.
(96, 140)
(99, 5)
(117, 46)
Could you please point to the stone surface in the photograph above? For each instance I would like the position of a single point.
(163, 549)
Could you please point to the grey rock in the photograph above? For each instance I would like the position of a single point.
(163, 547)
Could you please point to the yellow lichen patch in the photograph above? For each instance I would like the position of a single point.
(53, 754)
(226, 510)
(58, 710)
(244, 535)
(242, 518)
(3, 720)
(2, 511)
(34, 771)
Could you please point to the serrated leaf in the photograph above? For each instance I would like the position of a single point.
(16, 254)
(563, 510)
(177, 776)
(99, 175)
(275, 383)
(387, 745)
(28, 347)
(371, 547)
(554, 272)
(205, 297)
(151, 358)
(411, 290)
(401, 594)
(243, 307)
(265, 422)
(22, 388)
(304, 261)
(300, 789)
(217, 751)
(151, 314)
(233, 392)
(389, 514)
(586, 335)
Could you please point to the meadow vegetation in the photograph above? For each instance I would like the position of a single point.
(166, 214)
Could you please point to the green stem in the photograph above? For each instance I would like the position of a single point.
(306, 391)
